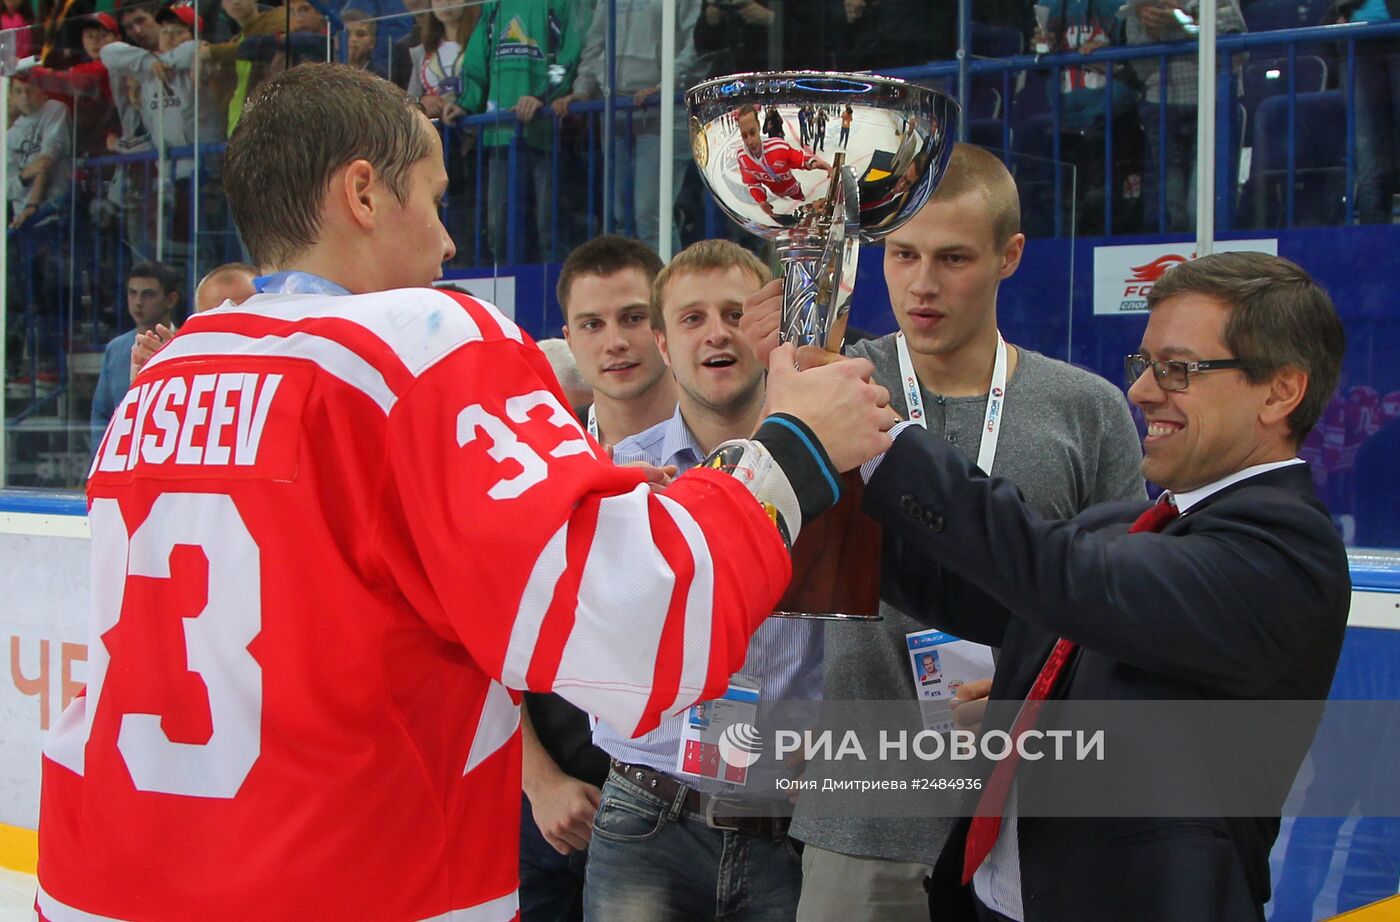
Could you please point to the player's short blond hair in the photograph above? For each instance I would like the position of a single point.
(703, 256)
(972, 169)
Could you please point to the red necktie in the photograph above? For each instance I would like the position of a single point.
(982, 834)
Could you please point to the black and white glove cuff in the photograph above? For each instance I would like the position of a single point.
(785, 468)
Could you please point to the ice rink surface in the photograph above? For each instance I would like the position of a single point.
(16, 896)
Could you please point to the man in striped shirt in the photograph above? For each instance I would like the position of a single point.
(666, 844)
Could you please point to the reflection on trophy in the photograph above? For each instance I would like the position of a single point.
(818, 186)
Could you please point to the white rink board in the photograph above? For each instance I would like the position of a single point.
(16, 896)
(44, 588)
(44, 611)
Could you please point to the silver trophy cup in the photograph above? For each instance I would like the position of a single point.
(818, 162)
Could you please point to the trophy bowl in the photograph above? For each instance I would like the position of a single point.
(817, 162)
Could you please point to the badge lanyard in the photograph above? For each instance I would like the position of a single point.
(991, 424)
(593, 421)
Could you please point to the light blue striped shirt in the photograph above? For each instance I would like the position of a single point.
(784, 656)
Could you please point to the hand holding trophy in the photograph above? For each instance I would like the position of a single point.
(781, 177)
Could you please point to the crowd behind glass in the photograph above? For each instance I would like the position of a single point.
(118, 112)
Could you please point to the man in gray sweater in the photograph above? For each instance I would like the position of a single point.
(1063, 435)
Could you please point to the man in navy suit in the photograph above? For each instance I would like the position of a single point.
(1235, 588)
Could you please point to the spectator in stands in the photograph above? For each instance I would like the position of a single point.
(38, 157)
(138, 24)
(400, 56)
(166, 84)
(1170, 21)
(247, 74)
(1007, 14)
(523, 57)
(392, 23)
(38, 151)
(219, 24)
(1377, 111)
(174, 118)
(359, 40)
(305, 43)
(637, 137)
(1085, 115)
(883, 33)
(435, 80)
(738, 35)
(152, 294)
(436, 75)
(305, 17)
(231, 282)
(87, 84)
(17, 17)
(128, 193)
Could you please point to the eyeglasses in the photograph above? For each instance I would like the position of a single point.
(1173, 375)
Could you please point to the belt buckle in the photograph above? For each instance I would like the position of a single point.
(712, 821)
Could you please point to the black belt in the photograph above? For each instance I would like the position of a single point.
(718, 812)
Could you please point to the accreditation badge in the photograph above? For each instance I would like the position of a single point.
(940, 664)
(719, 740)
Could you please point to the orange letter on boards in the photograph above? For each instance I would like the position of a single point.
(28, 686)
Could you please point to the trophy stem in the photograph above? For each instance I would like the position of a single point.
(817, 283)
(805, 320)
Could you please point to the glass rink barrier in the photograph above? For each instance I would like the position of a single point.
(564, 120)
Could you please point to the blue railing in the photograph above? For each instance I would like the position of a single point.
(1002, 130)
(581, 199)
(1229, 47)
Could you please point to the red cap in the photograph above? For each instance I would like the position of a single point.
(101, 21)
(184, 13)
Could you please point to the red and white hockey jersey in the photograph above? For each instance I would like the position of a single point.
(331, 537)
(773, 171)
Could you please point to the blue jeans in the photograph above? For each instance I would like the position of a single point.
(501, 198)
(551, 884)
(653, 862)
(639, 155)
(1180, 165)
(1377, 127)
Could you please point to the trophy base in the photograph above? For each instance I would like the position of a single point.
(836, 563)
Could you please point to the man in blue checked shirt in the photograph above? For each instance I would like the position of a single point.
(664, 844)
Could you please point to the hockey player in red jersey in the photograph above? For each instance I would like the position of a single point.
(766, 166)
(338, 527)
